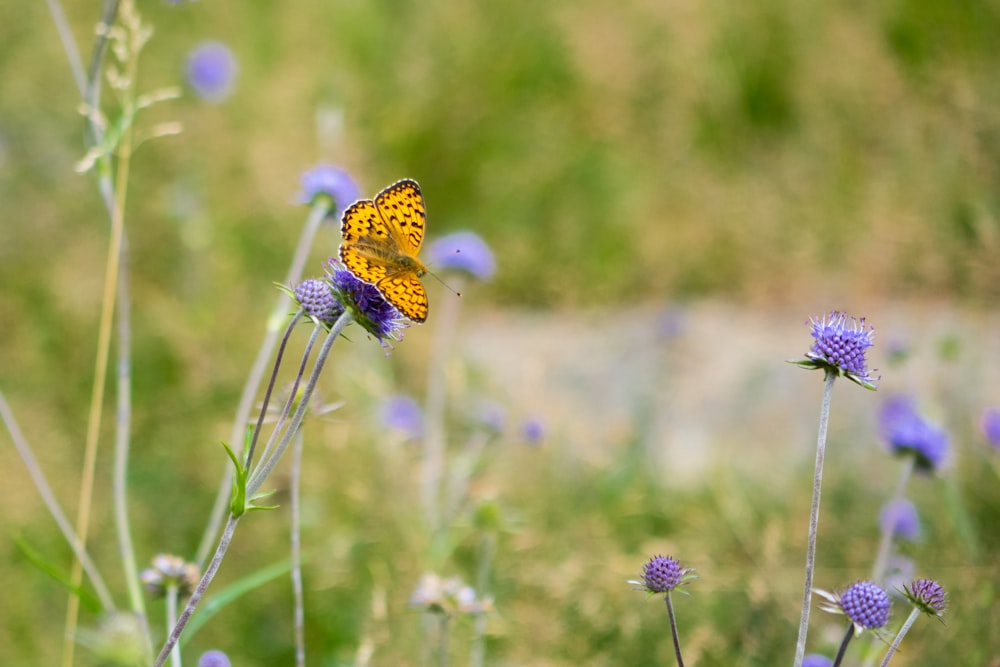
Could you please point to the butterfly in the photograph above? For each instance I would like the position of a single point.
(382, 237)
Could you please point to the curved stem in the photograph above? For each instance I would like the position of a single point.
(899, 636)
(317, 214)
(824, 419)
(843, 645)
(885, 542)
(296, 539)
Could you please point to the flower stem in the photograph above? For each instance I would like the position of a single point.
(487, 549)
(899, 636)
(843, 645)
(885, 543)
(199, 591)
(316, 216)
(296, 489)
(175, 654)
(673, 629)
(824, 419)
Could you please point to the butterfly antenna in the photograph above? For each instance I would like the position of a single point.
(446, 285)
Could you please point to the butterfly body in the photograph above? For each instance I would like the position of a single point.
(382, 237)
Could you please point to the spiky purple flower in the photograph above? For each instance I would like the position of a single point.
(462, 251)
(907, 432)
(325, 180)
(318, 301)
(662, 574)
(927, 596)
(211, 71)
(839, 347)
(369, 308)
(900, 519)
(866, 604)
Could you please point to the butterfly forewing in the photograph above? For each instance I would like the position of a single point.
(402, 207)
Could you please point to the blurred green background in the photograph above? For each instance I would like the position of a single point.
(777, 157)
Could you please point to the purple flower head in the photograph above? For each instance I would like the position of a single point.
(839, 347)
(532, 431)
(900, 519)
(402, 413)
(462, 251)
(492, 415)
(907, 432)
(864, 603)
(214, 658)
(990, 426)
(317, 300)
(211, 71)
(329, 181)
(662, 574)
(927, 596)
(369, 309)
(816, 660)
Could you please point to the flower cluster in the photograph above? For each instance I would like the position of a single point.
(169, 571)
(927, 596)
(907, 432)
(839, 347)
(662, 574)
(866, 605)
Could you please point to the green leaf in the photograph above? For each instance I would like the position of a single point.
(87, 599)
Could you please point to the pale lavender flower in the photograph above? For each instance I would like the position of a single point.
(211, 71)
(900, 519)
(990, 426)
(214, 658)
(816, 660)
(402, 413)
(333, 182)
(462, 251)
(907, 432)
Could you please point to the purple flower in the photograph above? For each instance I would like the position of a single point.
(532, 431)
(662, 574)
(402, 413)
(492, 415)
(900, 518)
(839, 347)
(368, 307)
(816, 660)
(990, 426)
(864, 603)
(928, 596)
(211, 71)
(333, 182)
(214, 658)
(318, 302)
(462, 251)
(907, 432)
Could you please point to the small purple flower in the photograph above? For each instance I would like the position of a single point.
(532, 431)
(368, 307)
(907, 432)
(462, 251)
(864, 603)
(816, 660)
(318, 302)
(333, 182)
(990, 426)
(211, 71)
(900, 518)
(839, 347)
(403, 413)
(927, 596)
(662, 574)
(214, 658)
(492, 415)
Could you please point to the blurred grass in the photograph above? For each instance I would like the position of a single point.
(610, 153)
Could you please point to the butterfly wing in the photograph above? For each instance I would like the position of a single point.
(405, 291)
(363, 230)
(402, 208)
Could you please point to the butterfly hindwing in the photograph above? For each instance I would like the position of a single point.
(405, 291)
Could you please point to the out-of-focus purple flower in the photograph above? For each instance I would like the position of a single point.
(900, 518)
(839, 347)
(403, 413)
(532, 431)
(816, 660)
(214, 658)
(462, 251)
(907, 432)
(671, 322)
(492, 415)
(211, 71)
(333, 182)
(990, 426)
(368, 307)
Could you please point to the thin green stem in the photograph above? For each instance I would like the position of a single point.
(885, 543)
(899, 636)
(487, 550)
(267, 465)
(673, 630)
(69, 45)
(824, 420)
(317, 214)
(296, 539)
(171, 598)
(49, 498)
(443, 639)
